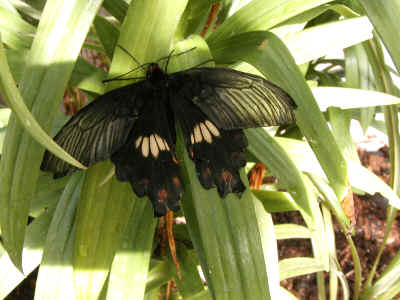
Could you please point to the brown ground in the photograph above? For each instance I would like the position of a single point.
(370, 222)
(370, 217)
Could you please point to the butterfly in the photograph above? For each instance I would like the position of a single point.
(134, 126)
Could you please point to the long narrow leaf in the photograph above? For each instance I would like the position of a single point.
(59, 38)
(55, 273)
(261, 15)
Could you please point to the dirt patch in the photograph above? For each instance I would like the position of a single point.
(369, 231)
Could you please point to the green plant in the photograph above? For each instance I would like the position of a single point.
(91, 236)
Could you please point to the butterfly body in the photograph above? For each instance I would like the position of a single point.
(135, 127)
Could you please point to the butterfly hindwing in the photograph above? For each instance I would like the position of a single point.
(217, 153)
(236, 100)
(148, 159)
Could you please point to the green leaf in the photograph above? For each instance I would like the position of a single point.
(363, 179)
(331, 200)
(87, 77)
(289, 267)
(359, 177)
(19, 5)
(191, 285)
(385, 16)
(4, 118)
(275, 201)
(269, 244)
(359, 75)
(261, 15)
(346, 98)
(102, 215)
(270, 153)
(117, 8)
(389, 279)
(224, 231)
(332, 36)
(16, 61)
(10, 276)
(129, 270)
(26, 119)
(291, 231)
(159, 275)
(107, 33)
(194, 18)
(59, 38)
(268, 54)
(55, 278)
(15, 31)
(105, 206)
(47, 194)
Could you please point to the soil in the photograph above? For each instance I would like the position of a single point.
(370, 225)
(370, 213)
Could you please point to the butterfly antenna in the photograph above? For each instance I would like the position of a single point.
(173, 55)
(134, 59)
(204, 62)
(184, 52)
(168, 59)
(119, 77)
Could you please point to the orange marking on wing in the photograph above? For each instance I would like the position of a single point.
(226, 176)
(144, 181)
(162, 195)
(206, 173)
(176, 181)
(234, 155)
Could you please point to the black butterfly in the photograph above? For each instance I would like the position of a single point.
(135, 127)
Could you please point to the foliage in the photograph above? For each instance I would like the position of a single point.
(89, 234)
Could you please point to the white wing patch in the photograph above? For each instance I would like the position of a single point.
(204, 131)
(214, 130)
(151, 144)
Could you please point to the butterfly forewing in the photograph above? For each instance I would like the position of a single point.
(97, 130)
(233, 99)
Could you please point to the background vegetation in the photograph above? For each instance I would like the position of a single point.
(93, 239)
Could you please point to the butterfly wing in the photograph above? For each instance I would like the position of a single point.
(97, 130)
(213, 105)
(217, 153)
(148, 159)
(233, 99)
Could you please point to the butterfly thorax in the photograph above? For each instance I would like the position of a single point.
(154, 74)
